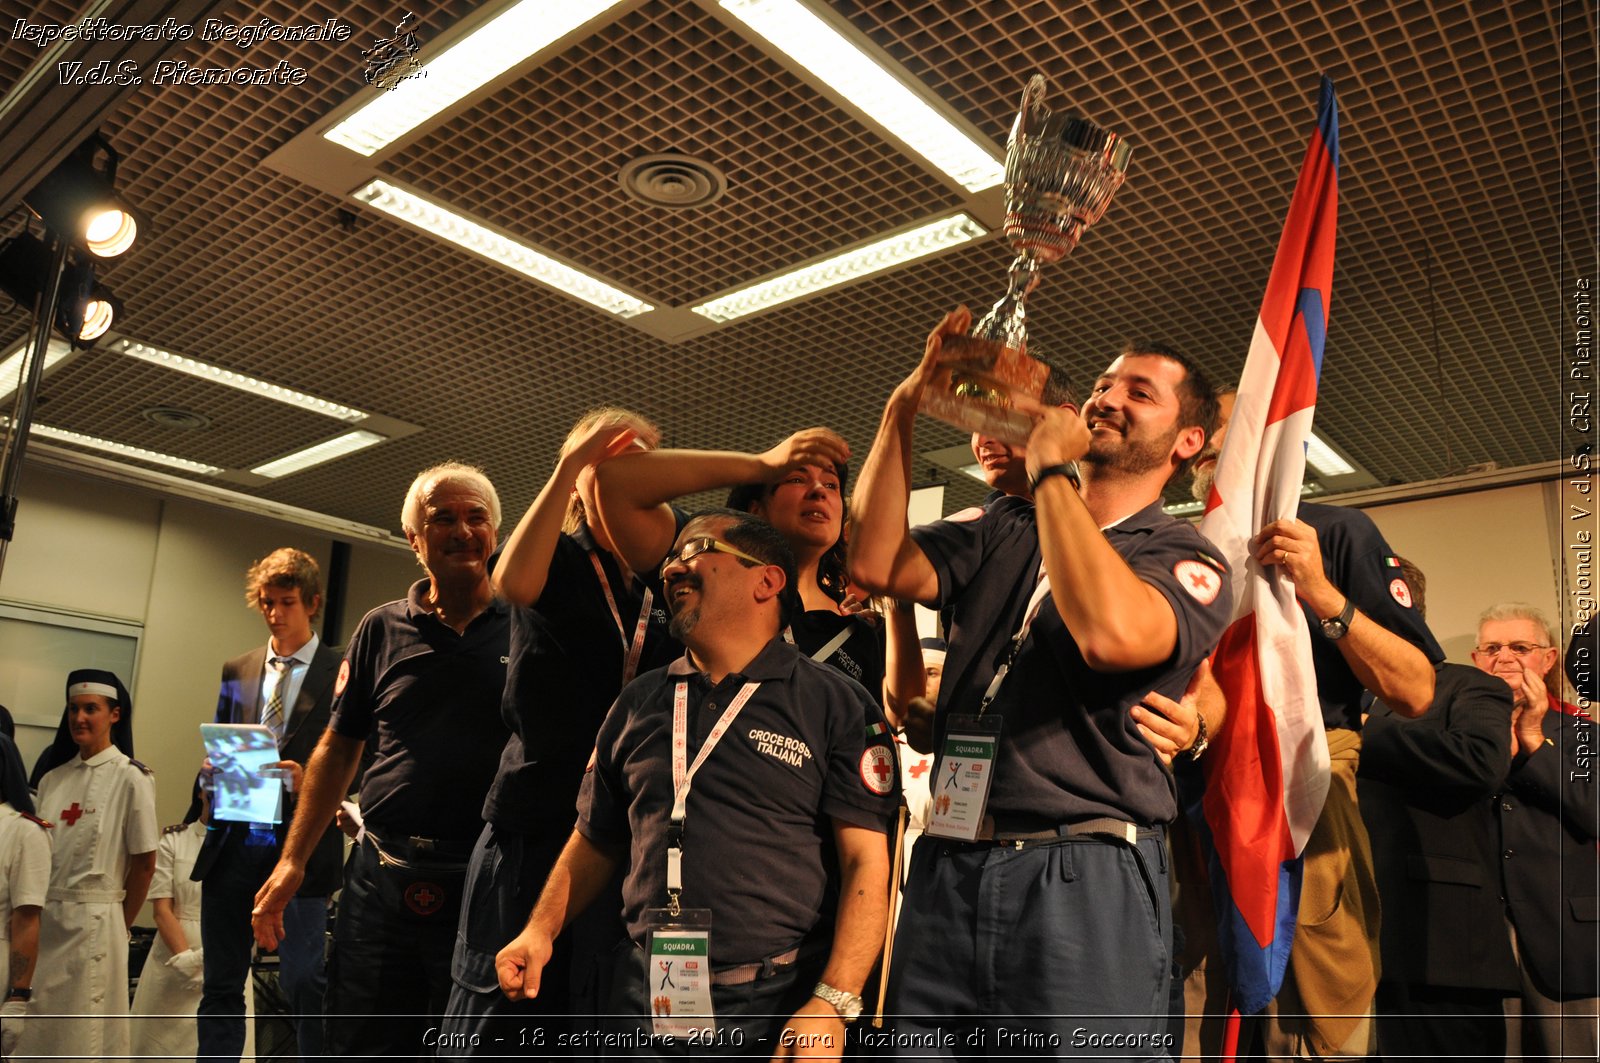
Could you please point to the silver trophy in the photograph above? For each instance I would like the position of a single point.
(1061, 172)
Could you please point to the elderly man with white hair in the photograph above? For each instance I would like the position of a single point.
(1549, 820)
(424, 675)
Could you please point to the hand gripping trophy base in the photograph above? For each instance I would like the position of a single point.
(976, 392)
(1061, 172)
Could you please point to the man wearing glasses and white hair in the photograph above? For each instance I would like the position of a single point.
(425, 675)
(1549, 819)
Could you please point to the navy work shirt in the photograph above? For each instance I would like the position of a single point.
(760, 806)
(1068, 750)
(565, 671)
(1358, 561)
(434, 698)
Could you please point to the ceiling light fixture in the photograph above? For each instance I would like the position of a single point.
(11, 364)
(462, 69)
(433, 217)
(1322, 458)
(227, 377)
(123, 450)
(337, 447)
(84, 307)
(81, 203)
(805, 37)
(951, 231)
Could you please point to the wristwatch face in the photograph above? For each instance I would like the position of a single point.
(1334, 628)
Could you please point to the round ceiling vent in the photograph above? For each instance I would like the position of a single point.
(173, 417)
(673, 181)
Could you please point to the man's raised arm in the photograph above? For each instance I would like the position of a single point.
(883, 556)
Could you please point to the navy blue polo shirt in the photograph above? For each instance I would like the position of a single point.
(565, 671)
(860, 657)
(1068, 750)
(433, 697)
(760, 806)
(1358, 561)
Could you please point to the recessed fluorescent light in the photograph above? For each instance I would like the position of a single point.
(468, 65)
(61, 435)
(1180, 509)
(925, 240)
(1321, 457)
(796, 30)
(167, 360)
(11, 364)
(337, 447)
(433, 217)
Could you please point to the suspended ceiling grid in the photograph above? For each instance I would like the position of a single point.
(1467, 189)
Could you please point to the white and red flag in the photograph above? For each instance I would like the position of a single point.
(1268, 772)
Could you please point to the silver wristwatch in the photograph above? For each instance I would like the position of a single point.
(1335, 628)
(848, 1005)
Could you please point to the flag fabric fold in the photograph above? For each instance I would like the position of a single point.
(1267, 775)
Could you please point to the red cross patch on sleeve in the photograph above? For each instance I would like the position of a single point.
(877, 769)
(1400, 591)
(1202, 581)
(344, 677)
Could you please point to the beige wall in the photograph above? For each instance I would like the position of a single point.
(176, 567)
(1478, 549)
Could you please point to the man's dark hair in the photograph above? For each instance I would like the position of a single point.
(831, 573)
(1197, 398)
(761, 540)
(1418, 584)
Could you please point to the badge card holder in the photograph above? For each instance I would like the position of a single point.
(966, 769)
(677, 975)
(966, 762)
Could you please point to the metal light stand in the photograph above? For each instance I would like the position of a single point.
(21, 420)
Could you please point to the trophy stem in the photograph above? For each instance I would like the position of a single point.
(1006, 321)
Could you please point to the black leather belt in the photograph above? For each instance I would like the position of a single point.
(1105, 827)
(746, 973)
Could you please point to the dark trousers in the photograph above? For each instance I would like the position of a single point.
(1057, 949)
(389, 969)
(504, 878)
(227, 894)
(1432, 1022)
(749, 1018)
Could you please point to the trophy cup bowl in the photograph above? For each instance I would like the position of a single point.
(1061, 172)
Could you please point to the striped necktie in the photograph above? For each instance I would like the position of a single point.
(272, 714)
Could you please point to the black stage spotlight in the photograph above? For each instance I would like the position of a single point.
(81, 203)
(85, 308)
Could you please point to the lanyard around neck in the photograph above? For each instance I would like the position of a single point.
(683, 774)
(631, 653)
(1040, 592)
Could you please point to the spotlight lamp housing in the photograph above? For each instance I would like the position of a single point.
(81, 204)
(85, 308)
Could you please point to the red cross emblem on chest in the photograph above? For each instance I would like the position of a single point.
(72, 815)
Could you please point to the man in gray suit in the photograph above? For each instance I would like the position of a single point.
(286, 685)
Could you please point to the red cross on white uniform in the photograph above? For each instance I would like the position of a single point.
(73, 814)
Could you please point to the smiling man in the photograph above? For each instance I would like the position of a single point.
(1550, 878)
(424, 675)
(1036, 904)
(714, 782)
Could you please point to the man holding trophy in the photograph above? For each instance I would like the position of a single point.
(1036, 914)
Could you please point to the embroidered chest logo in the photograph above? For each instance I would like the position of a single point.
(791, 751)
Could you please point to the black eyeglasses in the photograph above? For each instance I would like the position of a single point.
(699, 545)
